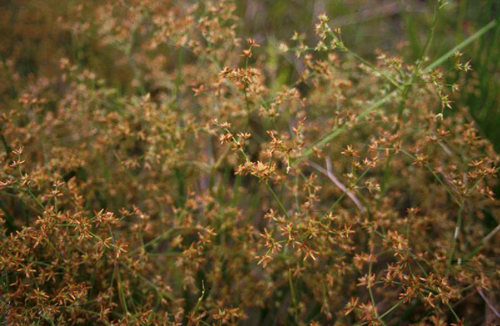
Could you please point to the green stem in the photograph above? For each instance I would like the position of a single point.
(278, 200)
(460, 46)
(416, 68)
(455, 238)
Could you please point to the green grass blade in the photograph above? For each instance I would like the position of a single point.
(466, 42)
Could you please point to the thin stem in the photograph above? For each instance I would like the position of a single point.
(200, 299)
(455, 237)
(488, 302)
(416, 68)
(372, 67)
(339, 184)
(391, 309)
(340, 130)
(466, 42)
(278, 200)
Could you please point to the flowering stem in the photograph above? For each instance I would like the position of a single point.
(372, 67)
(416, 68)
(338, 131)
(466, 42)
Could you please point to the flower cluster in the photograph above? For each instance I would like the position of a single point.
(164, 172)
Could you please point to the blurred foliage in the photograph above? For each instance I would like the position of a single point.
(30, 35)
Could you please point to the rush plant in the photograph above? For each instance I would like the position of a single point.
(165, 174)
